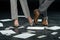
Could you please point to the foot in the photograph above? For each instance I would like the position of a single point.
(36, 16)
(45, 22)
(16, 23)
(30, 21)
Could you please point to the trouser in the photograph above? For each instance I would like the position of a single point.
(44, 4)
(14, 11)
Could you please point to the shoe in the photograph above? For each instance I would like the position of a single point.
(16, 23)
(36, 16)
(45, 22)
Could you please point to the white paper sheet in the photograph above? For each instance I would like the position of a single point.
(7, 32)
(13, 27)
(4, 20)
(29, 31)
(42, 36)
(59, 37)
(54, 33)
(39, 20)
(1, 24)
(24, 35)
(53, 28)
(20, 27)
(36, 28)
(9, 28)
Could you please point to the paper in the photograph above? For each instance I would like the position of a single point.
(7, 32)
(20, 27)
(53, 28)
(29, 31)
(54, 33)
(4, 20)
(36, 28)
(1, 24)
(59, 37)
(39, 20)
(42, 36)
(9, 28)
(24, 35)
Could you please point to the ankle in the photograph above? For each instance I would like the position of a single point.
(16, 23)
(30, 20)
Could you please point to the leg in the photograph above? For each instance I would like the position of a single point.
(14, 12)
(43, 10)
(37, 13)
(45, 5)
(26, 10)
(44, 18)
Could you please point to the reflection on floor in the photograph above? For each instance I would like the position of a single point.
(27, 32)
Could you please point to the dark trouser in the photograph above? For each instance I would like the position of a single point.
(44, 6)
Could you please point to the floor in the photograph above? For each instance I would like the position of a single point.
(35, 32)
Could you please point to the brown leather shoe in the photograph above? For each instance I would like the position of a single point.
(45, 22)
(36, 16)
